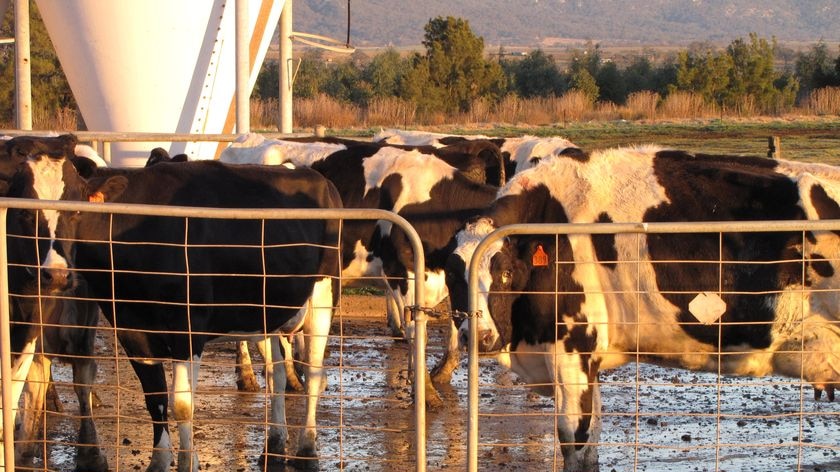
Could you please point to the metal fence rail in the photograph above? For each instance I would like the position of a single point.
(419, 352)
(101, 140)
(722, 419)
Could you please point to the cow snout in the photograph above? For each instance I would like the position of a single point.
(56, 278)
(486, 339)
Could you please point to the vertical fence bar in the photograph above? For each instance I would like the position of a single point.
(420, 352)
(23, 68)
(6, 354)
(243, 68)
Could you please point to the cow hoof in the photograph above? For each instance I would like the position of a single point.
(442, 375)
(248, 384)
(433, 400)
(275, 453)
(90, 459)
(307, 459)
(96, 402)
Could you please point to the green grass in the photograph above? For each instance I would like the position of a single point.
(810, 139)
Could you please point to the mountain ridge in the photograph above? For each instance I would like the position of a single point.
(545, 23)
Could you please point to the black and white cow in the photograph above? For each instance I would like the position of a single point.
(560, 309)
(518, 153)
(141, 276)
(63, 325)
(431, 194)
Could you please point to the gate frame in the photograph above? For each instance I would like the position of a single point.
(420, 320)
(591, 229)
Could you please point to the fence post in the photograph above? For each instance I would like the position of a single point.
(774, 147)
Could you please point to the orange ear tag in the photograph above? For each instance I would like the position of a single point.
(540, 258)
(96, 197)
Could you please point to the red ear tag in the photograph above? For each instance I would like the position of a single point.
(540, 258)
(96, 197)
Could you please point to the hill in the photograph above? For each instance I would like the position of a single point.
(550, 23)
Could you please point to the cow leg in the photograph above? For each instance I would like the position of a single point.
(317, 329)
(278, 433)
(579, 425)
(53, 400)
(88, 455)
(185, 375)
(433, 399)
(153, 380)
(20, 371)
(394, 313)
(442, 372)
(293, 380)
(34, 408)
(246, 381)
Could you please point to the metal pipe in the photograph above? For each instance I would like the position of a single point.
(6, 354)
(286, 68)
(243, 68)
(419, 354)
(23, 71)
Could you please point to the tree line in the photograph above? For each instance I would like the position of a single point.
(453, 73)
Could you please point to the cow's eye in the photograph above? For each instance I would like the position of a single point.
(507, 276)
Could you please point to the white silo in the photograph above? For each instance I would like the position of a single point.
(157, 66)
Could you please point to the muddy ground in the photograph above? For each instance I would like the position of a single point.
(654, 419)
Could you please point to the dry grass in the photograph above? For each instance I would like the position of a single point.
(824, 101)
(640, 106)
(389, 111)
(63, 119)
(685, 105)
(572, 106)
(323, 110)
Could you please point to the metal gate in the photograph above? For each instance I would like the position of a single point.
(123, 447)
(656, 418)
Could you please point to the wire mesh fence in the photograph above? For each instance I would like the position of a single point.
(366, 409)
(676, 393)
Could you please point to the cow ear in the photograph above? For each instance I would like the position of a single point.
(826, 207)
(69, 142)
(84, 166)
(109, 190)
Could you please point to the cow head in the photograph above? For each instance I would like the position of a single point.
(457, 276)
(40, 241)
(534, 150)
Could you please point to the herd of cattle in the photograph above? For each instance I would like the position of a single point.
(557, 309)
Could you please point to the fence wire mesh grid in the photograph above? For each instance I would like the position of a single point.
(366, 415)
(653, 417)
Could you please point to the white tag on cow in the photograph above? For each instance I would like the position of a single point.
(707, 307)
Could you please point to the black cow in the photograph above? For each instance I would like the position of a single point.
(142, 283)
(246, 381)
(63, 325)
(560, 309)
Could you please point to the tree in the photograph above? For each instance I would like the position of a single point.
(753, 74)
(583, 81)
(704, 72)
(535, 76)
(345, 83)
(814, 69)
(50, 89)
(385, 72)
(611, 85)
(311, 74)
(456, 67)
